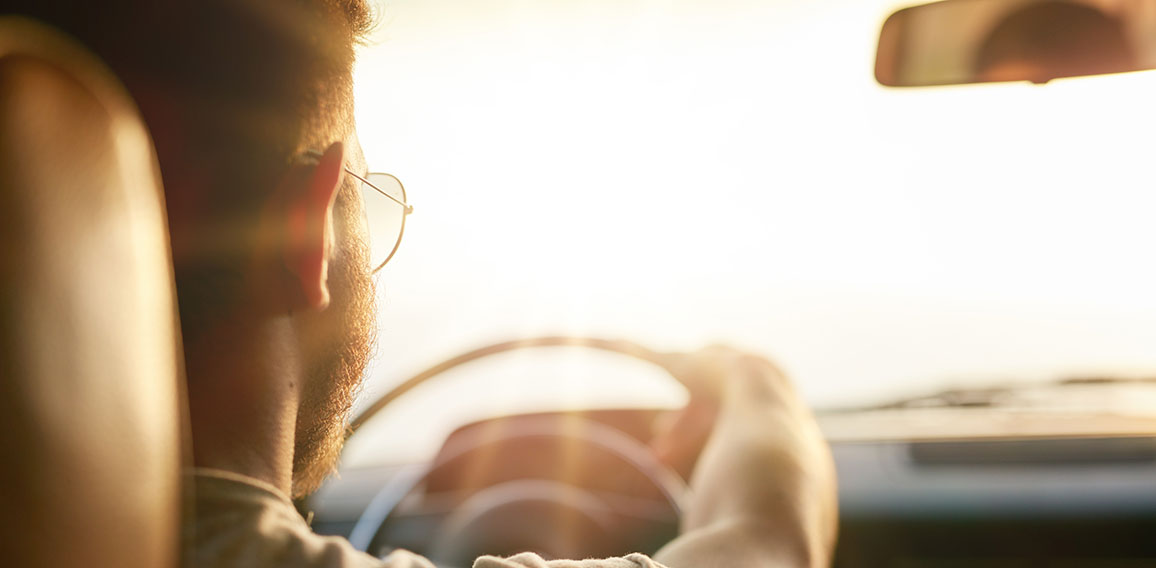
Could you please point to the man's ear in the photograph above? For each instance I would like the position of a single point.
(309, 228)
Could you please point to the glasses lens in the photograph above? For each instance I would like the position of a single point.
(385, 216)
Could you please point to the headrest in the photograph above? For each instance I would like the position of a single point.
(89, 352)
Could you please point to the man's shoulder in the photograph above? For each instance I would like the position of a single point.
(239, 521)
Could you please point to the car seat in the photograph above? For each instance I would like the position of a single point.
(90, 367)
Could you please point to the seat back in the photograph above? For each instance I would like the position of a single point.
(89, 353)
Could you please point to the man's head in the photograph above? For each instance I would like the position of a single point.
(235, 92)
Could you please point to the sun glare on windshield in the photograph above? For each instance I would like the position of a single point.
(729, 171)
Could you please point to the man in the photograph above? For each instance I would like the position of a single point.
(250, 106)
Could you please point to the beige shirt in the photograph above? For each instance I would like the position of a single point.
(243, 522)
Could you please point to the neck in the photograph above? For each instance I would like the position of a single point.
(243, 398)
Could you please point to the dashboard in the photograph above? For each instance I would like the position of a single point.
(1008, 502)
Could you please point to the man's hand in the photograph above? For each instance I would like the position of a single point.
(764, 485)
(708, 375)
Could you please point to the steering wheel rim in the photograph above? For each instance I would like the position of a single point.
(623, 347)
(370, 523)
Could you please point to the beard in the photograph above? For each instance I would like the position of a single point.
(335, 377)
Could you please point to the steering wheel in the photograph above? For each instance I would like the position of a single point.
(510, 516)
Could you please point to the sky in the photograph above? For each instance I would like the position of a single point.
(681, 173)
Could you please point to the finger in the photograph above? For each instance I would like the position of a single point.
(681, 439)
(705, 371)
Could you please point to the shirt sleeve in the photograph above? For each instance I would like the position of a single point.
(531, 560)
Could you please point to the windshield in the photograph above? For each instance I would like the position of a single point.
(723, 171)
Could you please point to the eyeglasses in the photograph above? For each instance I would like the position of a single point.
(385, 211)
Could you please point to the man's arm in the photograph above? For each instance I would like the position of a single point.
(764, 486)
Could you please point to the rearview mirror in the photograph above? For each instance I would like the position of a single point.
(957, 42)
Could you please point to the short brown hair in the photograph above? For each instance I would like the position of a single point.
(232, 90)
